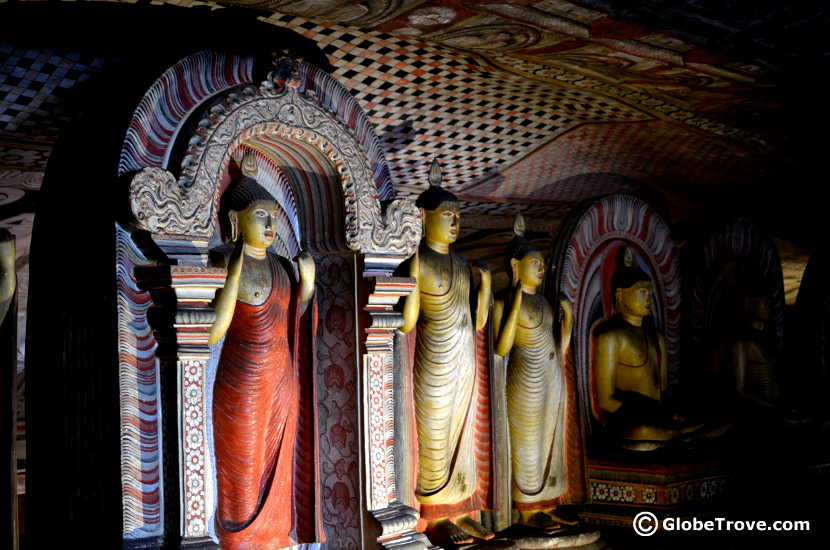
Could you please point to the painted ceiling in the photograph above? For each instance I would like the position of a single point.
(529, 106)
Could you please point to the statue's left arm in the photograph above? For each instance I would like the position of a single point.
(483, 306)
(308, 273)
(567, 326)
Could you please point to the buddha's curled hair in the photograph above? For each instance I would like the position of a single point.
(519, 246)
(628, 273)
(246, 189)
(244, 192)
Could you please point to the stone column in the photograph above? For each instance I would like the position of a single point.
(397, 520)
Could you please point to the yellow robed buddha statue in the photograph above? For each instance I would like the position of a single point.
(536, 386)
(630, 366)
(444, 375)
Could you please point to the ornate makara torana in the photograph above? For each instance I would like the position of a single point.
(320, 161)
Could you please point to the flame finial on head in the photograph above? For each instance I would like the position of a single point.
(248, 165)
(628, 272)
(628, 257)
(435, 195)
(519, 226)
(435, 176)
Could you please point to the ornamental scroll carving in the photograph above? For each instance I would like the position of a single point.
(161, 204)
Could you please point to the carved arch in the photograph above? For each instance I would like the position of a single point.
(306, 109)
(188, 206)
(587, 257)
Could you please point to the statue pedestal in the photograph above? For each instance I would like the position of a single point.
(619, 489)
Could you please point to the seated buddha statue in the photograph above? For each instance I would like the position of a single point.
(630, 367)
(746, 366)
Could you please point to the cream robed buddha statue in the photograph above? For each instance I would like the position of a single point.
(536, 386)
(445, 376)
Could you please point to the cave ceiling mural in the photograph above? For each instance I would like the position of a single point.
(526, 104)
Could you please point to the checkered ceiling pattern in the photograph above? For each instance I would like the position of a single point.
(33, 84)
(500, 133)
(427, 102)
(581, 163)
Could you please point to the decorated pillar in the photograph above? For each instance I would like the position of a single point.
(397, 520)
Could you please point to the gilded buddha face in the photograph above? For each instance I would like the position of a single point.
(443, 224)
(635, 300)
(257, 223)
(530, 270)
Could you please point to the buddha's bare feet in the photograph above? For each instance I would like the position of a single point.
(541, 520)
(649, 432)
(474, 528)
(445, 532)
(642, 446)
(560, 518)
(690, 429)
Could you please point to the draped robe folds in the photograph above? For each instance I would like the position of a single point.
(536, 408)
(255, 414)
(444, 387)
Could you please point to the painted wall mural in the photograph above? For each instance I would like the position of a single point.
(339, 428)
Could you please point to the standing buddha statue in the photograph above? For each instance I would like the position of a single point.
(445, 371)
(256, 399)
(536, 387)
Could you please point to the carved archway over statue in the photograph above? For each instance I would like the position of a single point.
(585, 259)
(320, 159)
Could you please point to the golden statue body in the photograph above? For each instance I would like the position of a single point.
(536, 387)
(445, 372)
(630, 366)
(746, 367)
(753, 364)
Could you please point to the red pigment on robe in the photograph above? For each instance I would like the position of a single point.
(255, 411)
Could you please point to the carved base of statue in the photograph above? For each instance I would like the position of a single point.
(559, 535)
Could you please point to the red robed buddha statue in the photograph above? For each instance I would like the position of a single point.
(257, 394)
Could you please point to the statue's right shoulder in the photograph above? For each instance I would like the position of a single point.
(608, 328)
(221, 255)
(504, 295)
